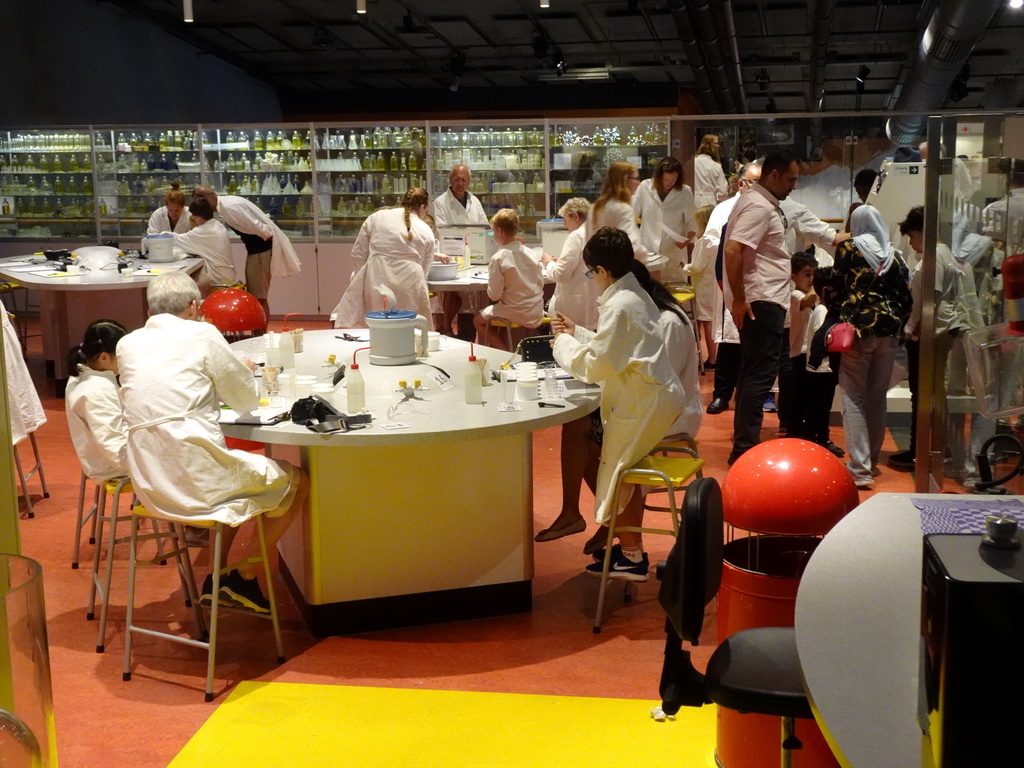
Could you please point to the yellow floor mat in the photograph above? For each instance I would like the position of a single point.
(292, 724)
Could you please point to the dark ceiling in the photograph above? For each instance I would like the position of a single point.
(313, 51)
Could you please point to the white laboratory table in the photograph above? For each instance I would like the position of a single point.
(858, 625)
(474, 278)
(69, 304)
(430, 522)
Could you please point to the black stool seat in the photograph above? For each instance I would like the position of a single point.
(758, 670)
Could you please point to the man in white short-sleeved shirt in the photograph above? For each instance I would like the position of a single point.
(757, 270)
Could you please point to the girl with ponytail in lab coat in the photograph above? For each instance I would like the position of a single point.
(394, 248)
(641, 396)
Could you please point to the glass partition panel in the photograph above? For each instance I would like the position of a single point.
(506, 162)
(361, 168)
(46, 184)
(272, 166)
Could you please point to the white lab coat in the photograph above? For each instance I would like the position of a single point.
(159, 222)
(516, 282)
(209, 241)
(702, 277)
(96, 423)
(449, 212)
(805, 227)
(575, 294)
(245, 216)
(641, 397)
(27, 413)
(675, 212)
(619, 215)
(174, 375)
(723, 328)
(709, 183)
(385, 256)
(681, 345)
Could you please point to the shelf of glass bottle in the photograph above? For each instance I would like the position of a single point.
(26, 170)
(458, 138)
(587, 147)
(379, 160)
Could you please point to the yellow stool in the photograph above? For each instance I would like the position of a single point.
(669, 472)
(205, 639)
(511, 327)
(24, 477)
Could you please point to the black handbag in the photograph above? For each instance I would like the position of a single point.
(317, 414)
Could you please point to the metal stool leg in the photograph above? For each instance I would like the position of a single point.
(29, 512)
(101, 504)
(81, 519)
(38, 466)
(270, 591)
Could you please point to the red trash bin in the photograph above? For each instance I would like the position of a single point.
(784, 494)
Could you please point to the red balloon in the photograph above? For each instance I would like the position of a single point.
(231, 310)
(788, 487)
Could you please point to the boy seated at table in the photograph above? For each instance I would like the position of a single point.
(515, 283)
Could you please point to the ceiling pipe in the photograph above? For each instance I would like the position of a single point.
(703, 22)
(820, 30)
(731, 49)
(955, 28)
(694, 56)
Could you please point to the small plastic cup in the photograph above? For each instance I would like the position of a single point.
(72, 269)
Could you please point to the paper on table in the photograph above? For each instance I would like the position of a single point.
(25, 267)
(6, 264)
(259, 416)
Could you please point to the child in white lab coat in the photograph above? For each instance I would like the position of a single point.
(641, 397)
(515, 283)
(93, 403)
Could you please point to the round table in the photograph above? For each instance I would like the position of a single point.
(426, 522)
(69, 304)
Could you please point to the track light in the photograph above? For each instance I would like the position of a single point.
(862, 73)
(360, 6)
(187, 7)
(545, 3)
(1017, 3)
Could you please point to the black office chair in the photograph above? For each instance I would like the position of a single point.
(752, 671)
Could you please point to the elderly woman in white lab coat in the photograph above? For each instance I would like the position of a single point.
(93, 404)
(665, 207)
(641, 397)
(172, 216)
(208, 239)
(394, 249)
(174, 374)
(575, 295)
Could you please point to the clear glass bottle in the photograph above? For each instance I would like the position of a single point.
(393, 161)
(257, 141)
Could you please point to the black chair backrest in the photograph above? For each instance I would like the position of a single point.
(692, 573)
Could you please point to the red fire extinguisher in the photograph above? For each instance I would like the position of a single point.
(1012, 271)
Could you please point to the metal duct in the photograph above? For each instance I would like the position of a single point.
(694, 56)
(820, 33)
(704, 23)
(731, 49)
(955, 28)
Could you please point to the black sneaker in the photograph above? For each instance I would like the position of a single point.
(244, 593)
(206, 595)
(623, 568)
(835, 449)
(902, 460)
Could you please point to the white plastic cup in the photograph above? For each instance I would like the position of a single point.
(128, 272)
(433, 341)
(72, 269)
(304, 386)
(526, 388)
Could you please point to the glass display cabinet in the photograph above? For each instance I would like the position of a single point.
(272, 166)
(135, 168)
(582, 151)
(506, 162)
(362, 168)
(46, 184)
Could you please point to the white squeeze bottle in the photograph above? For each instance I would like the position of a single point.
(355, 389)
(287, 350)
(273, 350)
(474, 388)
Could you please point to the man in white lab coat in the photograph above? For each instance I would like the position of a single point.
(174, 374)
(268, 250)
(459, 207)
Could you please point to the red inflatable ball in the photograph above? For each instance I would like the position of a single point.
(788, 487)
(231, 311)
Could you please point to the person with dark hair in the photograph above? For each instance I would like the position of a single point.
(208, 239)
(269, 252)
(641, 397)
(818, 369)
(862, 184)
(665, 205)
(394, 248)
(758, 266)
(93, 404)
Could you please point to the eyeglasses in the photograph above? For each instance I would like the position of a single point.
(746, 181)
(634, 178)
(590, 273)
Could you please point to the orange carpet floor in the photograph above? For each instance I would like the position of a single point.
(103, 721)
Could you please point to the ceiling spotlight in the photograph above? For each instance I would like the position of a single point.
(763, 80)
(545, 3)
(560, 65)
(360, 6)
(862, 73)
(188, 11)
(1017, 3)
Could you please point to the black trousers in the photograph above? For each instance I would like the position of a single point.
(784, 400)
(812, 395)
(761, 346)
(727, 369)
